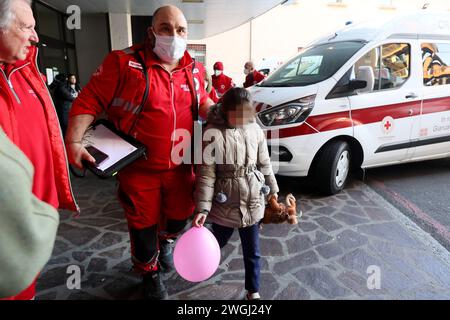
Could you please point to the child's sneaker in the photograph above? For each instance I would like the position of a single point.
(252, 296)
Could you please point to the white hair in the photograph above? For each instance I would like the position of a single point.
(6, 12)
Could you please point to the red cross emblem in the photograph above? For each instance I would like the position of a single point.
(387, 125)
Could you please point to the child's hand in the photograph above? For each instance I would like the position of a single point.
(199, 220)
(273, 195)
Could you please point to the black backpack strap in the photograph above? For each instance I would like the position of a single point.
(146, 92)
(195, 103)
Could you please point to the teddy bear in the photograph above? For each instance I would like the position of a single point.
(277, 212)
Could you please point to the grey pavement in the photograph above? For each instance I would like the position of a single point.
(419, 190)
(327, 255)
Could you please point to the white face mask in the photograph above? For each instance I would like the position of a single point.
(169, 49)
(217, 72)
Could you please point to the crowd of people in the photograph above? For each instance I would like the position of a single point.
(223, 83)
(158, 195)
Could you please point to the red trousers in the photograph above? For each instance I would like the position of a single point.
(157, 205)
(150, 198)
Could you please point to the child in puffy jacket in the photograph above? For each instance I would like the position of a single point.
(234, 179)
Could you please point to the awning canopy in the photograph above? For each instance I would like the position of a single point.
(205, 17)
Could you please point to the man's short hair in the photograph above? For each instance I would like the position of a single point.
(157, 12)
(6, 13)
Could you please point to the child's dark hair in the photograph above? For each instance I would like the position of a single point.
(236, 97)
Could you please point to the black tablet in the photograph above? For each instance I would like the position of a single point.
(112, 149)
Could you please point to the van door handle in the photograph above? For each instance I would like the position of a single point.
(411, 95)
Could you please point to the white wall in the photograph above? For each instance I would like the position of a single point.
(120, 26)
(232, 48)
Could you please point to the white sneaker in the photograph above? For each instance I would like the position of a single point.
(253, 296)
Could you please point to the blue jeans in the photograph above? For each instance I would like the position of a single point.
(250, 249)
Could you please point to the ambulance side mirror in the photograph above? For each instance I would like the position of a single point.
(357, 84)
(365, 80)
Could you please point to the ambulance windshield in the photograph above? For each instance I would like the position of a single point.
(314, 64)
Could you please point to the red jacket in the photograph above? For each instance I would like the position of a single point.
(30, 71)
(253, 78)
(222, 84)
(212, 94)
(118, 86)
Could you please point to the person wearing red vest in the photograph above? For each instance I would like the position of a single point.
(156, 192)
(252, 76)
(221, 82)
(27, 113)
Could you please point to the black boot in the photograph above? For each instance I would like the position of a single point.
(166, 256)
(154, 288)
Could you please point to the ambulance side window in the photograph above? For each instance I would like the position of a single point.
(341, 88)
(436, 64)
(384, 67)
(367, 64)
(395, 65)
(388, 65)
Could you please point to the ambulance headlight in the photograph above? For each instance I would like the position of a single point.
(291, 112)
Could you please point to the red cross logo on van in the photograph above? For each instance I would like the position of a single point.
(387, 125)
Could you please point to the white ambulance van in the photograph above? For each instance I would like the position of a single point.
(370, 95)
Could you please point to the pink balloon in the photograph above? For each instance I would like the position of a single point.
(196, 255)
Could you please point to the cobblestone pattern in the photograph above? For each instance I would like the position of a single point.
(325, 257)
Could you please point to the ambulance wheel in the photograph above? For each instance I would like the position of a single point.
(333, 167)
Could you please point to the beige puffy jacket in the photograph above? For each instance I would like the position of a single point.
(236, 162)
(28, 226)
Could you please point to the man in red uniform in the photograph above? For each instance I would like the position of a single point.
(27, 114)
(221, 82)
(252, 76)
(155, 192)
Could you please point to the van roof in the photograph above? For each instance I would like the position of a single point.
(411, 25)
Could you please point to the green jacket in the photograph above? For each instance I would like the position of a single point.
(28, 226)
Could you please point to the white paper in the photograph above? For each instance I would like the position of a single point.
(108, 142)
(49, 74)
